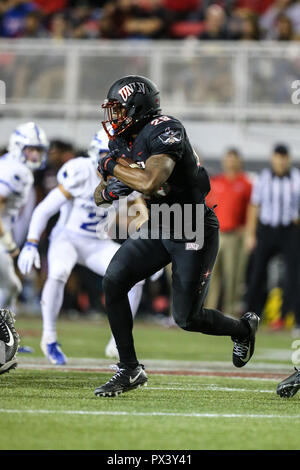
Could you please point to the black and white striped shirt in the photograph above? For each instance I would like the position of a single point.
(278, 197)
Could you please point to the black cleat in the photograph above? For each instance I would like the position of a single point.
(124, 380)
(289, 386)
(9, 341)
(243, 349)
(10, 365)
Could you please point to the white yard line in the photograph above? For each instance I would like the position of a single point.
(227, 377)
(134, 413)
(213, 388)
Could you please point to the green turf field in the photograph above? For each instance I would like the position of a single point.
(48, 407)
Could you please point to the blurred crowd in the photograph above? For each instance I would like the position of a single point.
(151, 19)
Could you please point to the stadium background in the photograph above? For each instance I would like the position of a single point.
(225, 68)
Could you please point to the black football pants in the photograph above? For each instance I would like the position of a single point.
(191, 272)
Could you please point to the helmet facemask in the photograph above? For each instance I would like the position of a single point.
(115, 117)
(29, 145)
(34, 156)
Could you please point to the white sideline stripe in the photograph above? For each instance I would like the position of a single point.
(210, 388)
(134, 413)
(256, 379)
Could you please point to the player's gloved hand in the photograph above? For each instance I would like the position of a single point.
(106, 164)
(120, 144)
(114, 190)
(29, 257)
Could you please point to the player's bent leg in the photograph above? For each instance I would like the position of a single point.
(191, 275)
(213, 322)
(62, 257)
(129, 265)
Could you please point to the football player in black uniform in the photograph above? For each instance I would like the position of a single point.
(169, 173)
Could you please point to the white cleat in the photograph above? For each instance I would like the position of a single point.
(111, 349)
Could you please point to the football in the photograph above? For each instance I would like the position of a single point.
(126, 161)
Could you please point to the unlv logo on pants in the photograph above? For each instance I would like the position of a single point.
(127, 90)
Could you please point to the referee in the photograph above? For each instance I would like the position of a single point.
(272, 228)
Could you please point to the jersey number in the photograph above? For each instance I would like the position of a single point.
(159, 120)
(91, 226)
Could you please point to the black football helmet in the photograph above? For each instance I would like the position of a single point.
(131, 101)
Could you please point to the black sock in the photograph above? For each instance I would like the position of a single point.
(121, 322)
(213, 322)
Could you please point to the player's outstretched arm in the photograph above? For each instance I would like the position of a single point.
(157, 170)
(29, 255)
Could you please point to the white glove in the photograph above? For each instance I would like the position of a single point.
(28, 257)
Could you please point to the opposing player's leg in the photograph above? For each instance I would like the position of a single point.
(130, 265)
(62, 258)
(10, 284)
(191, 274)
(96, 256)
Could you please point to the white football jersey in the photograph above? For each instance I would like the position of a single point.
(16, 181)
(79, 177)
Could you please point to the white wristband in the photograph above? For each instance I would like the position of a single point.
(7, 240)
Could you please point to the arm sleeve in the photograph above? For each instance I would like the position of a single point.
(42, 213)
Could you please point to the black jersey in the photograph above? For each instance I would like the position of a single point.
(189, 182)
